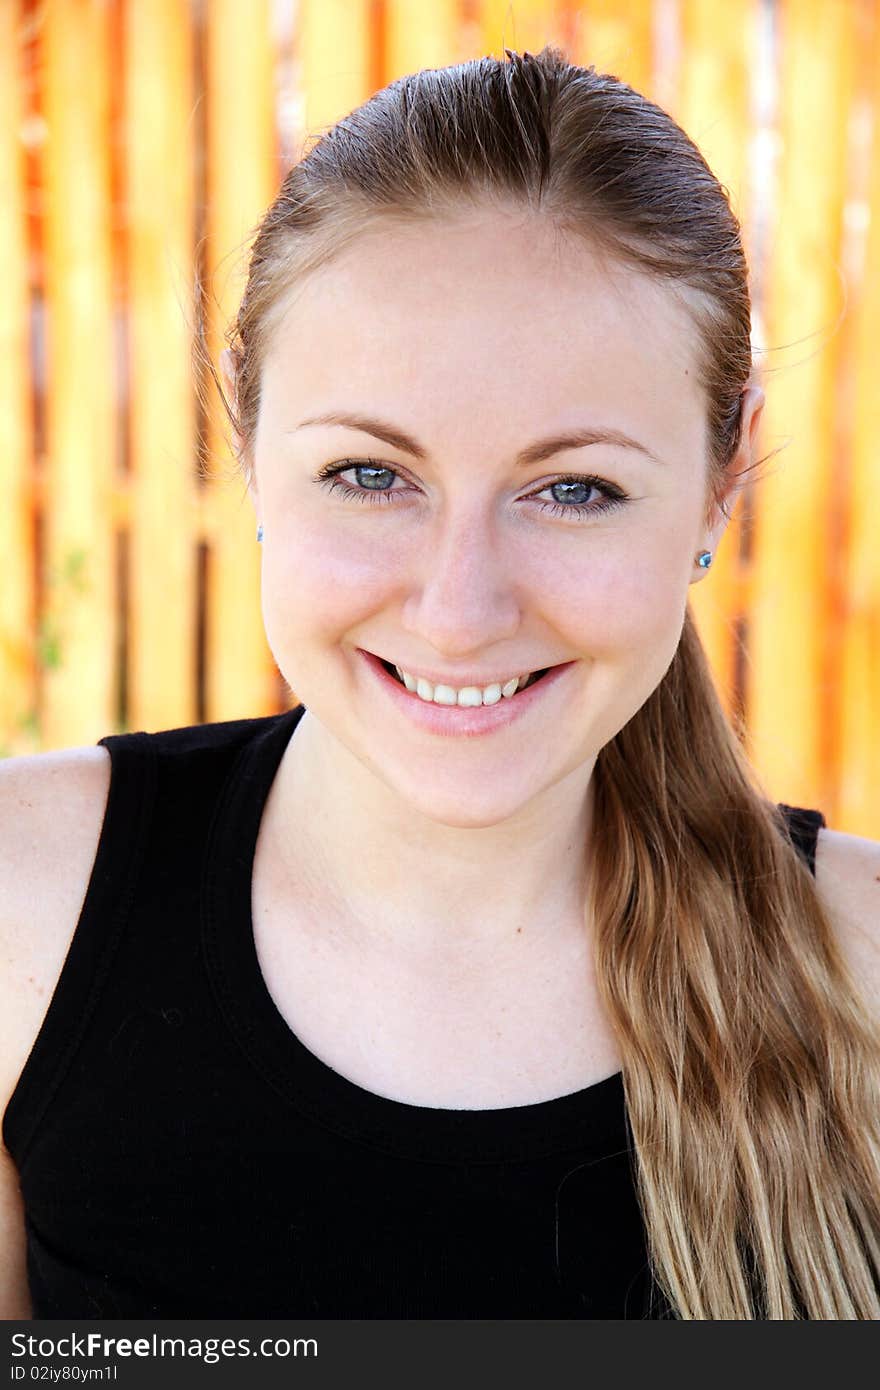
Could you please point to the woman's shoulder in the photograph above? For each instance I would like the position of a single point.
(52, 809)
(848, 882)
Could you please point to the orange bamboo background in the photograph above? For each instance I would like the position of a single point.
(139, 144)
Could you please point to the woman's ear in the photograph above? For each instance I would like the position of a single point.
(228, 377)
(752, 408)
(744, 458)
(740, 465)
(227, 373)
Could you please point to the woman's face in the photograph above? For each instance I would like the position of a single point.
(476, 339)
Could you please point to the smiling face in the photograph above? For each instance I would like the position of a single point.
(476, 338)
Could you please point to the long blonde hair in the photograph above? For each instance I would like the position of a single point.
(750, 1066)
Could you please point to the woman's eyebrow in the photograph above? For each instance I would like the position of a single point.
(534, 453)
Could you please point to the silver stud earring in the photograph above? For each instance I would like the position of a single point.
(260, 531)
(704, 559)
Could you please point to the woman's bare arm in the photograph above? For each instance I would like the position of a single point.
(51, 812)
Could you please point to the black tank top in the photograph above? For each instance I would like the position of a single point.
(183, 1154)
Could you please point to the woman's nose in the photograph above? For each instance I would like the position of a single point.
(465, 597)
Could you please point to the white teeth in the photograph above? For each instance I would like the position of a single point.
(470, 695)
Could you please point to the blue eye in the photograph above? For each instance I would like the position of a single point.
(369, 468)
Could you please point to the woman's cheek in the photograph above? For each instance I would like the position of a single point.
(321, 584)
(612, 605)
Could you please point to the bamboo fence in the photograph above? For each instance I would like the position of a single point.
(139, 144)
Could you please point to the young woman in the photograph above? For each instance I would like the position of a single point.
(486, 981)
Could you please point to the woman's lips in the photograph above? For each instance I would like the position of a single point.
(393, 669)
(463, 721)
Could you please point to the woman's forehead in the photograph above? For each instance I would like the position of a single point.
(498, 267)
(427, 313)
(469, 291)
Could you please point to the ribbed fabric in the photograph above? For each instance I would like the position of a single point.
(183, 1154)
(803, 828)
